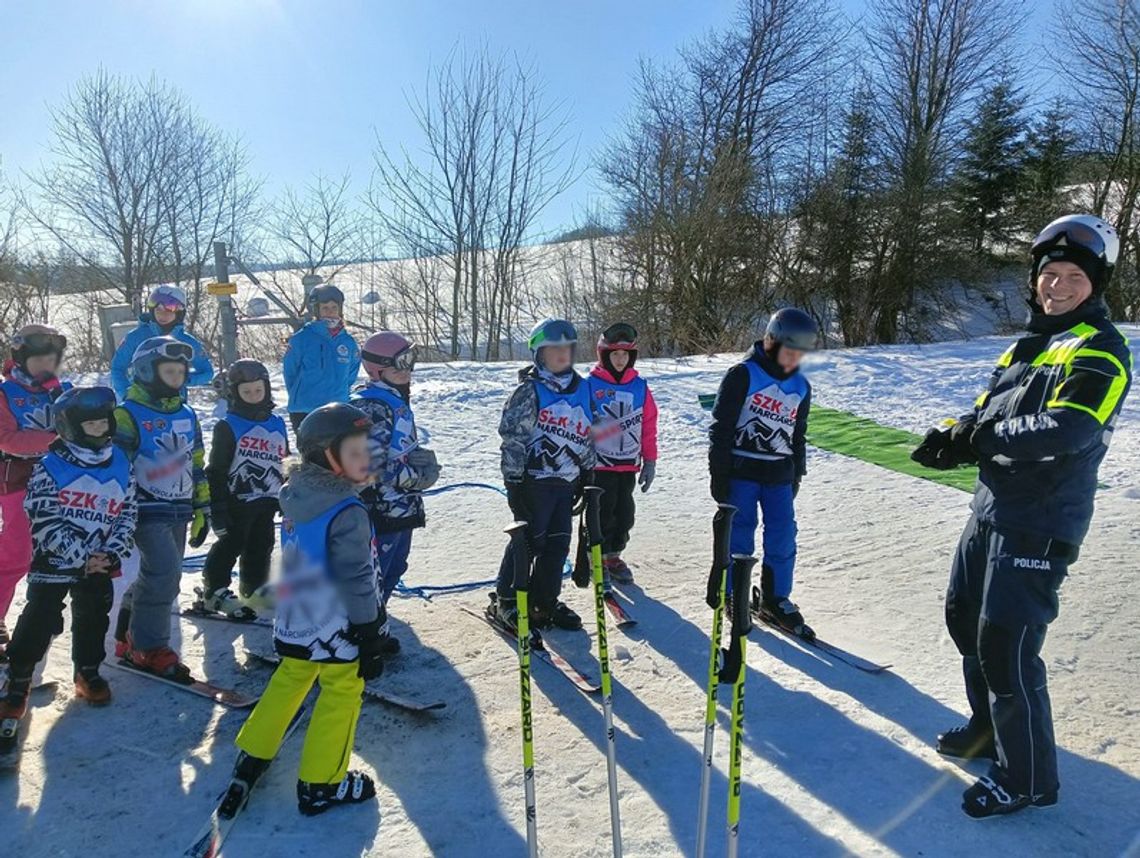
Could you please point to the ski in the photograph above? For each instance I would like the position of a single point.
(538, 648)
(201, 614)
(399, 701)
(621, 616)
(224, 696)
(208, 843)
(839, 654)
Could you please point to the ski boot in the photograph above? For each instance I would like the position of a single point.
(987, 797)
(971, 741)
(92, 687)
(12, 709)
(559, 615)
(504, 612)
(616, 569)
(263, 598)
(356, 787)
(161, 661)
(783, 612)
(247, 770)
(123, 633)
(223, 601)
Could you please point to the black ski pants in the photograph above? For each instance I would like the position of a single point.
(618, 508)
(250, 537)
(551, 507)
(42, 619)
(1001, 599)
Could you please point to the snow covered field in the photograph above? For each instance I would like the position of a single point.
(836, 761)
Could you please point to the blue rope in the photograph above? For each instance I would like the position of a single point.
(425, 591)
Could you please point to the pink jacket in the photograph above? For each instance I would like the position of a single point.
(14, 473)
(648, 418)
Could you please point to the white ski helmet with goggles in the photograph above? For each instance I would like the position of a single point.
(167, 295)
(153, 351)
(1087, 241)
(387, 349)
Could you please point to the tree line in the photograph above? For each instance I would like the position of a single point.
(873, 172)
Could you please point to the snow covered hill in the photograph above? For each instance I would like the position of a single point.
(836, 761)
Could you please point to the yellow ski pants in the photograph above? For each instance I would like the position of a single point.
(328, 739)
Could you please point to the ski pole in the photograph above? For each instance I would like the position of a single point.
(741, 626)
(520, 553)
(722, 529)
(594, 525)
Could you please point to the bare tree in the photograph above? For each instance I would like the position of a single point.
(494, 157)
(1104, 42)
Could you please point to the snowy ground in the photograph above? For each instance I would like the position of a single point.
(836, 761)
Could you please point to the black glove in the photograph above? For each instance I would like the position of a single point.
(718, 486)
(583, 573)
(933, 445)
(517, 501)
(585, 478)
(369, 642)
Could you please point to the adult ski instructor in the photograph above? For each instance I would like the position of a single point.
(1038, 434)
(323, 359)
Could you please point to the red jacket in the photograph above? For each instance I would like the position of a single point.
(648, 418)
(27, 444)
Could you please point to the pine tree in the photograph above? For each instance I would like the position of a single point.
(989, 176)
(1046, 169)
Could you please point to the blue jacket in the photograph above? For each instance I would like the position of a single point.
(320, 368)
(1044, 424)
(201, 370)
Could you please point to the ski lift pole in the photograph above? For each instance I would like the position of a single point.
(223, 289)
(594, 525)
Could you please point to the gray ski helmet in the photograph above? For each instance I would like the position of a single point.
(794, 328)
(326, 428)
(78, 405)
(552, 332)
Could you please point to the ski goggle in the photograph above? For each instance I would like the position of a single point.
(556, 333)
(39, 343)
(620, 336)
(168, 304)
(175, 351)
(1076, 234)
(405, 360)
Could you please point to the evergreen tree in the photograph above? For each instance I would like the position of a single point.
(989, 175)
(1046, 169)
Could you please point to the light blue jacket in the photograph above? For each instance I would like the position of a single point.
(320, 368)
(201, 370)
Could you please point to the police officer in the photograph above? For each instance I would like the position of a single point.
(1038, 434)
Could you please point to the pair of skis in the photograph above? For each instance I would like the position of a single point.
(583, 572)
(814, 641)
(726, 666)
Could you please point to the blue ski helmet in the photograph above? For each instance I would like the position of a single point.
(794, 328)
(150, 353)
(551, 332)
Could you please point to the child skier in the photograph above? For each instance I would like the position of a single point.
(245, 473)
(81, 503)
(401, 467)
(26, 394)
(757, 454)
(162, 437)
(625, 435)
(328, 617)
(547, 457)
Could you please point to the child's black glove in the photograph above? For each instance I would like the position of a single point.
(369, 642)
(517, 501)
(719, 486)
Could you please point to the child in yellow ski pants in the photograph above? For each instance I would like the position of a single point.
(328, 739)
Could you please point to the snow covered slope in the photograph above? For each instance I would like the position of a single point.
(836, 761)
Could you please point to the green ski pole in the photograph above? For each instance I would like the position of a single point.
(521, 555)
(594, 525)
(722, 529)
(734, 670)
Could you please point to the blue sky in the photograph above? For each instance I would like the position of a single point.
(309, 84)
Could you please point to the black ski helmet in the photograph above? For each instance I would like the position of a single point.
(244, 371)
(322, 294)
(794, 328)
(78, 405)
(326, 428)
(37, 339)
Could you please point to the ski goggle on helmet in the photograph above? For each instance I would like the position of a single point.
(620, 336)
(33, 340)
(552, 332)
(1086, 232)
(169, 297)
(78, 405)
(387, 349)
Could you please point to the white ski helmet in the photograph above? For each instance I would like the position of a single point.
(1085, 240)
